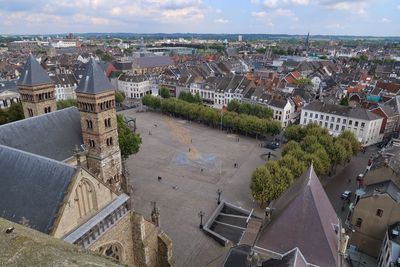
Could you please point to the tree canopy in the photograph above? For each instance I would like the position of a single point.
(241, 123)
(13, 113)
(188, 97)
(129, 141)
(309, 144)
(61, 104)
(164, 92)
(119, 96)
(250, 109)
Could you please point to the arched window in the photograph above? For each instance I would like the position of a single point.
(109, 122)
(111, 141)
(113, 250)
(85, 195)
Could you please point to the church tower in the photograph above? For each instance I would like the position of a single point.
(96, 103)
(37, 90)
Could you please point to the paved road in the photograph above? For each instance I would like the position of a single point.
(339, 183)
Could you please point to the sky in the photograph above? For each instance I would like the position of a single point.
(328, 17)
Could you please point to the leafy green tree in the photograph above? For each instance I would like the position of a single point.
(119, 96)
(164, 92)
(296, 167)
(294, 132)
(129, 141)
(303, 81)
(290, 146)
(15, 112)
(344, 101)
(61, 104)
(355, 144)
(268, 182)
(3, 117)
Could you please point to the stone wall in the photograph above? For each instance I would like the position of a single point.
(30, 99)
(120, 233)
(71, 217)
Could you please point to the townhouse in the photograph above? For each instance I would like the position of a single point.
(365, 124)
(134, 86)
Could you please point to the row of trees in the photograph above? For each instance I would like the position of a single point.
(250, 109)
(241, 123)
(13, 113)
(306, 144)
(188, 97)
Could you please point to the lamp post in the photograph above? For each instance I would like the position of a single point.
(219, 191)
(201, 215)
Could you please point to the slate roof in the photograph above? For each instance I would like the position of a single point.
(303, 217)
(33, 74)
(358, 113)
(53, 135)
(94, 79)
(32, 187)
(293, 258)
(388, 187)
(153, 61)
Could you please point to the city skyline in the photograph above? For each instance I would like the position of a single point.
(326, 17)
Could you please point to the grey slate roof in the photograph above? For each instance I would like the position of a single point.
(53, 135)
(303, 217)
(388, 187)
(33, 74)
(358, 113)
(32, 187)
(94, 79)
(152, 61)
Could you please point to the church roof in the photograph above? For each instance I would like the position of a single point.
(303, 217)
(33, 74)
(53, 135)
(94, 79)
(32, 187)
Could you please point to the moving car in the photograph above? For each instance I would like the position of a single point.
(346, 195)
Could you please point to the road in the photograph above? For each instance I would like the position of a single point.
(340, 182)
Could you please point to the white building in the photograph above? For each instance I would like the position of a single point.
(363, 123)
(64, 43)
(65, 85)
(389, 255)
(134, 86)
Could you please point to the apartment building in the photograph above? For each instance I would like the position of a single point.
(390, 251)
(66, 85)
(365, 124)
(134, 86)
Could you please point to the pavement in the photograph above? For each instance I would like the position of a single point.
(193, 161)
(338, 183)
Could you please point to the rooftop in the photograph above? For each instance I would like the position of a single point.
(94, 79)
(33, 74)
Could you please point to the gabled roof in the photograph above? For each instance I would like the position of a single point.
(303, 217)
(293, 258)
(64, 132)
(94, 80)
(32, 187)
(33, 74)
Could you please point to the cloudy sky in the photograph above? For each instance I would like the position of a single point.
(344, 17)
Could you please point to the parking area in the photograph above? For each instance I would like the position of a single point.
(193, 161)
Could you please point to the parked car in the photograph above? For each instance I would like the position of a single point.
(272, 145)
(346, 195)
(360, 177)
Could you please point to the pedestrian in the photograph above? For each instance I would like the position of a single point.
(201, 170)
(269, 155)
(349, 181)
(159, 178)
(189, 149)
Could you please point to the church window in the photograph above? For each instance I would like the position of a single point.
(85, 195)
(107, 122)
(113, 250)
(92, 143)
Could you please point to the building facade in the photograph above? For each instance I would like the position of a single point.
(389, 255)
(134, 86)
(363, 123)
(65, 86)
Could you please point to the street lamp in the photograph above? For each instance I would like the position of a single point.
(201, 215)
(219, 191)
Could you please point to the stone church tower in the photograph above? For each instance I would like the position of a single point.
(96, 103)
(37, 90)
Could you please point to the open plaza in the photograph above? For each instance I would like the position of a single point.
(193, 161)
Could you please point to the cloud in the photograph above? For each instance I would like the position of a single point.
(260, 14)
(221, 20)
(301, 2)
(384, 20)
(353, 6)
